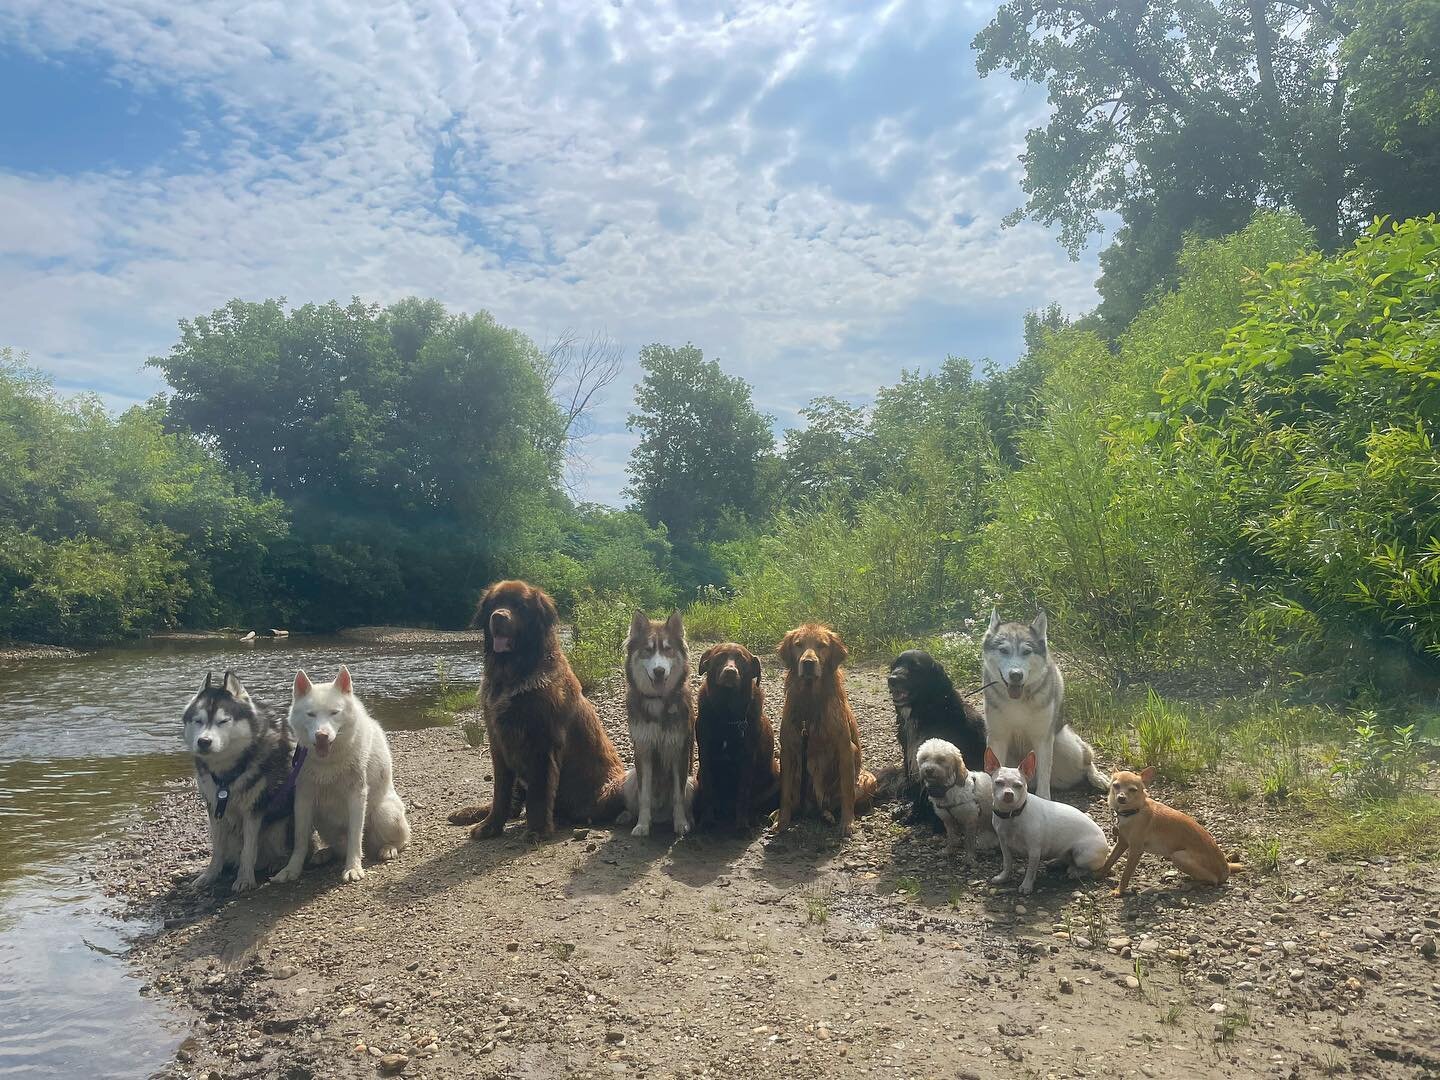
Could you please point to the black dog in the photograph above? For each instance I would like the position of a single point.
(927, 706)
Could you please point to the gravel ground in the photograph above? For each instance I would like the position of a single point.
(599, 954)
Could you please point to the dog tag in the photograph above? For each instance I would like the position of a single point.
(222, 800)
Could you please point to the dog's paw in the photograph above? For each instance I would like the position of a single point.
(1027, 887)
(469, 815)
(205, 879)
(1000, 878)
(625, 818)
(388, 853)
(682, 826)
(353, 873)
(286, 874)
(488, 828)
(642, 829)
(243, 883)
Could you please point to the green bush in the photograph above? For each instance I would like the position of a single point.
(1314, 423)
(597, 644)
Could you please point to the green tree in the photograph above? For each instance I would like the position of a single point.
(1184, 118)
(111, 527)
(396, 435)
(704, 464)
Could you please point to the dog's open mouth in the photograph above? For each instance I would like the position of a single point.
(322, 749)
(937, 790)
(501, 644)
(900, 696)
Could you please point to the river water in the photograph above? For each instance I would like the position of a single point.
(86, 740)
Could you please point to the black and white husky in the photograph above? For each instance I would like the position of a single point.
(243, 770)
(1023, 694)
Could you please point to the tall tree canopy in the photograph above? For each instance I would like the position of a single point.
(1186, 117)
(395, 434)
(705, 454)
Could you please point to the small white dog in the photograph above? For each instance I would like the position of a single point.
(346, 789)
(962, 799)
(1038, 828)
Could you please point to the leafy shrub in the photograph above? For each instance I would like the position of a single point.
(1314, 423)
(597, 647)
(1380, 762)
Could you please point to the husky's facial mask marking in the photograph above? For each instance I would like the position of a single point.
(656, 652)
(209, 719)
(321, 714)
(1017, 650)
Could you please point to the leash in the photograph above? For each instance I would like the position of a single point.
(982, 689)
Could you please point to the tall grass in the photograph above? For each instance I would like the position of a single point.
(883, 577)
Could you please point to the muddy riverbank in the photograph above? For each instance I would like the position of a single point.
(600, 954)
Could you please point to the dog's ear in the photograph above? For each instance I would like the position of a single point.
(546, 614)
(992, 763)
(1040, 624)
(675, 625)
(786, 649)
(303, 685)
(838, 652)
(1027, 767)
(994, 620)
(705, 658)
(1147, 775)
(233, 687)
(342, 681)
(639, 628)
(754, 668)
(209, 682)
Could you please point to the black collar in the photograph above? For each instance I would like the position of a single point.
(1128, 813)
(223, 781)
(1013, 813)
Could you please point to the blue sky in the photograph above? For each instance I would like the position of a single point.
(812, 193)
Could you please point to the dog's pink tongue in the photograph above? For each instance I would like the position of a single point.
(1015, 689)
(501, 644)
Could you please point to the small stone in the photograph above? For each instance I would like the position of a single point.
(1066, 986)
(1296, 974)
(284, 971)
(1118, 943)
(615, 1038)
(1427, 947)
(1217, 1007)
(1132, 983)
(1148, 946)
(822, 1033)
(1080, 941)
(512, 946)
(391, 1064)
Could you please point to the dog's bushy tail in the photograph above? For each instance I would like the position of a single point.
(611, 800)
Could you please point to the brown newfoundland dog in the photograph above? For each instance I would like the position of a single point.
(819, 739)
(738, 777)
(544, 735)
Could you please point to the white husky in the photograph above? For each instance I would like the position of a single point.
(661, 709)
(346, 791)
(1023, 693)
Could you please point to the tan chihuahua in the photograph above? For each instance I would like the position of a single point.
(1142, 824)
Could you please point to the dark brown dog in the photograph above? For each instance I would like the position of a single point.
(820, 762)
(542, 731)
(739, 777)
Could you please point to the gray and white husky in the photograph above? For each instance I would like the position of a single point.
(1023, 694)
(661, 709)
(243, 771)
(346, 790)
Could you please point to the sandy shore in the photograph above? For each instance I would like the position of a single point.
(599, 954)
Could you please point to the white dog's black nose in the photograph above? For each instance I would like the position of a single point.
(202, 744)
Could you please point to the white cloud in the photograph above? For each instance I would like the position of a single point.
(777, 184)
